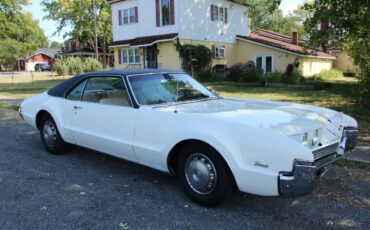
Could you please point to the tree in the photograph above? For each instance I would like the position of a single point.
(55, 44)
(20, 34)
(265, 14)
(78, 14)
(348, 27)
(12, 7)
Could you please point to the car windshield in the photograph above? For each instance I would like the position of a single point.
(167, 88)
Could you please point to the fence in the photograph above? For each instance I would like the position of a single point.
(24, 84)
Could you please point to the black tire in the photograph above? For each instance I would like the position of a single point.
(54, 145)
(217, 188)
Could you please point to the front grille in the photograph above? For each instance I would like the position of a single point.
(326, 160)
(323, 152)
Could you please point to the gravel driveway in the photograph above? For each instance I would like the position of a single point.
(88, 190)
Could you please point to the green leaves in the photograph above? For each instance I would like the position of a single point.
(265, 14)
(348, 29)
(20, 34)
(78, 15)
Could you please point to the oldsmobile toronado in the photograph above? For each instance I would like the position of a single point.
(166, 120)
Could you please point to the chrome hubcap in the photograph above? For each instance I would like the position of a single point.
(49, 133)
(200, 173)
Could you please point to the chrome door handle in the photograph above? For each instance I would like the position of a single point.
(77, 107)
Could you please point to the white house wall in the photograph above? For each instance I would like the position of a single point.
(196, 24)
(192, 21)
(147, 20)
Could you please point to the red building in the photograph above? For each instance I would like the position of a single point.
(42, 55)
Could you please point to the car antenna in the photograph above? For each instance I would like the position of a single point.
(177, 94)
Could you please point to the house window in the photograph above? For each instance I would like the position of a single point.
(219, 52)
(264, 63)
(131, 56)
(129, 16)
(165, 12)
(218, 14)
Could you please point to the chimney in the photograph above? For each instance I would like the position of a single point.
(295, 37)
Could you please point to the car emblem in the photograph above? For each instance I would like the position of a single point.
(259, 164)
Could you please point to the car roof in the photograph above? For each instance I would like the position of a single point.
(61, 89)
(128, 72)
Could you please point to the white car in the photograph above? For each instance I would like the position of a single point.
(168, 121)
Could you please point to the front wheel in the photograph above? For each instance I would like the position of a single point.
(204, 175)
(50, 136)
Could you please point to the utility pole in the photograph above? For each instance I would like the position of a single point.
(18, 64)
(95, 34)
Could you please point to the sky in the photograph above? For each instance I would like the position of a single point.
(49, 26)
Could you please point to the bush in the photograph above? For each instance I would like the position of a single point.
(60, 67)
(330, 74)
(274, 77)
(91, 64)
(244, 72)
(205, 75)
(249, 75)
(292, 75)
(76, 65)
(200, 53)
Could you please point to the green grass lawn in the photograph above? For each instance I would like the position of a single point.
(339, 97)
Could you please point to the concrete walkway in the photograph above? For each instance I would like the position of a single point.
(360, 154)
(11, 100)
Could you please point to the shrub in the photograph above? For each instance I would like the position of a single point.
(60, 67)
(249, 75)
(76, 65)
(274, 77)
(91, 64)
(292, 75)
(244, 72)
(330, 74)
(200, 53)
(205, 75)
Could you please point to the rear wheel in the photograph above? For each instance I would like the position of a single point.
(204, 175)
(50, 136)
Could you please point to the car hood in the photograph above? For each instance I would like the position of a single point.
(285, 118)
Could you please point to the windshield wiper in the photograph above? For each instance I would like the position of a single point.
(192, 97)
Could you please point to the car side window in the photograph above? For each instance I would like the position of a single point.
(106, 90)
(76, 93)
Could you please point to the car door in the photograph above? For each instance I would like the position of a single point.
(104, 119)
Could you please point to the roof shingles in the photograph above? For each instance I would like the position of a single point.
(281, 41)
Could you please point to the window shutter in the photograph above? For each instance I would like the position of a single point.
(225, 15)
(172, 12)
(136, 14)
(212, 13)
(213, 51)
(158, 14)
(120, 17)
(119, 56)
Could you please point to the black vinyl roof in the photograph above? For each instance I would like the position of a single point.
(61, 89)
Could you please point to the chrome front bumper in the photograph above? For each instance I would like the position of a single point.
(299, 182)
(351, 135)
(20, 113)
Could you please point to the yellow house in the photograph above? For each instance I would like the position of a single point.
(273, 51)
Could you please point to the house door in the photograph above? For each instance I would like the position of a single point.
(264, 63)
(151, 60)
